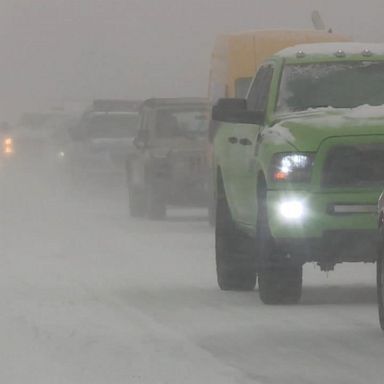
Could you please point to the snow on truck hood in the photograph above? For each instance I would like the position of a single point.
(306, 130)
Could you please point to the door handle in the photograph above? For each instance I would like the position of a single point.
(233, 140)
(245, 141)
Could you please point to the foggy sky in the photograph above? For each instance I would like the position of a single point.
(57, 52)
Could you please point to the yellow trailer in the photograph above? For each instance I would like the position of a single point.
(236, 57)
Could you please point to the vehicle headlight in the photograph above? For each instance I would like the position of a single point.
(61, 155)
(296, 167)
(292, 209)
(8, 146)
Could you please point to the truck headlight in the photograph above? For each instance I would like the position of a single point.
(292, 209)
(296, 167)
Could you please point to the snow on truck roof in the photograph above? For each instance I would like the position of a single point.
(339, 49)
(268, 33)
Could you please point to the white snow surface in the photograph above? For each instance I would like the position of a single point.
(279, 134)
(367, 112)
(349, 48)
(91, 296)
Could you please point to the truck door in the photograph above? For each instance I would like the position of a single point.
(244, 173)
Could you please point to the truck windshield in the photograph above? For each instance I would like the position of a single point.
(338, 85)
(112, 126)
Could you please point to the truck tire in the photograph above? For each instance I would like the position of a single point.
(211, 203)
(156, 205)
(136, 200)
(235, 267)
(136, 195)
(280, 285)
(380, 279)
(280, 282)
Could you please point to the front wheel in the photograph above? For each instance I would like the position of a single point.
(235, 264)
(280, 282)
(380, 279)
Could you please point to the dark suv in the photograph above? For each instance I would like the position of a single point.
(170, 162)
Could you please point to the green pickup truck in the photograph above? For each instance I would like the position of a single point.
(299, 167)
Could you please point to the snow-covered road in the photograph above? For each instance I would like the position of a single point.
(91, 296)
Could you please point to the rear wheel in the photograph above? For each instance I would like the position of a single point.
(380, 279)
(136, 195)
(235, 265)
(280, 282)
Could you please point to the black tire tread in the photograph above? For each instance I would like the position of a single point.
(234, 272)
(280, 285)
(279, 282)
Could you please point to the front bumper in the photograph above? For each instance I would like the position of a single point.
(332, 248)
(333, 226)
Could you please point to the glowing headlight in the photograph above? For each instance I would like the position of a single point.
(292, 209)
(8, 141)
(295, 167)
(8, 146)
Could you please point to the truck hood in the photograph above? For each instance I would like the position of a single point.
(307, 130)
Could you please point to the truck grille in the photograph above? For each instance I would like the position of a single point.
(354, 166)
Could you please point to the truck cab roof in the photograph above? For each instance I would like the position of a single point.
(334, 49)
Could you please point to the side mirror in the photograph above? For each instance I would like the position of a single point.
(235, 111)
(139, 144)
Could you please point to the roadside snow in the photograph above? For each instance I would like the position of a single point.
(90, 296)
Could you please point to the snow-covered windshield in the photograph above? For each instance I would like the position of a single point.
(112, 126)
(338, 85)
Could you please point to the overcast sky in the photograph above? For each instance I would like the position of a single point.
(56, 51)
